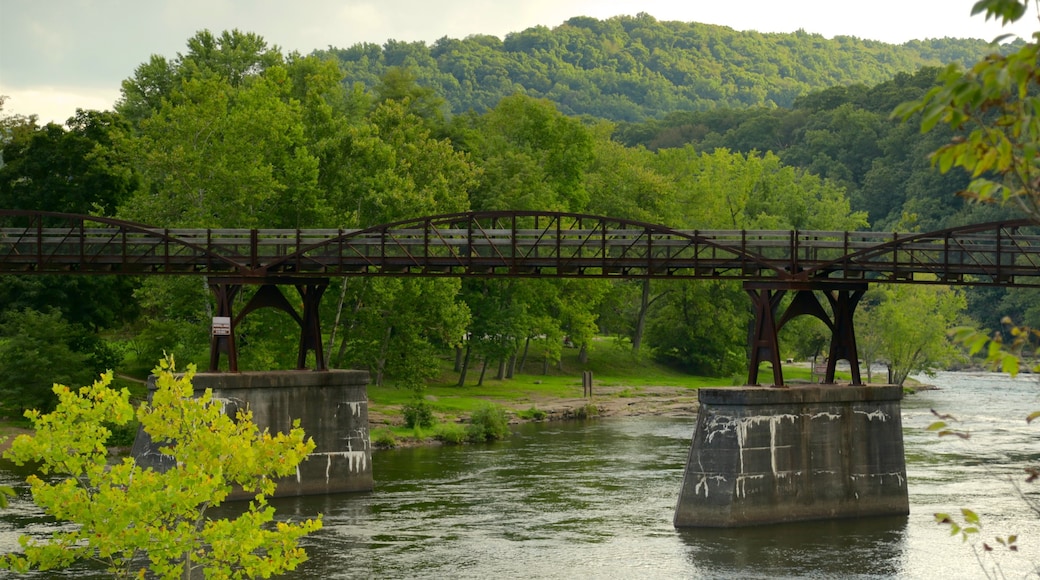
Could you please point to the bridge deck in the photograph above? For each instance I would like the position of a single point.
(521, 244)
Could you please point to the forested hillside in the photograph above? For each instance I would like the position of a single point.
(687, 125)
(632, 68)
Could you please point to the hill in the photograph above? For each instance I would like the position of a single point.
(633, 68)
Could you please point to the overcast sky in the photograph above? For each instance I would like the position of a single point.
(57, 55)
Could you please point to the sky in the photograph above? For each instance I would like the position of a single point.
(59, 55)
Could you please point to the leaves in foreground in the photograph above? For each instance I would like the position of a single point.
(136, 519)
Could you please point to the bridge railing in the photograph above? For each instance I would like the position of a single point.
(507, 244)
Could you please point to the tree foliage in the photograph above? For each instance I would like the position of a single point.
(134, 519)
(995, 104)
(635, 68)
(38, 348)
(719, 129)
(910, 323)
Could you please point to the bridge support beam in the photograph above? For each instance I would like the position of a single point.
(763, 341)
(269, 296)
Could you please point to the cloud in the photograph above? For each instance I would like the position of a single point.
(56, 104)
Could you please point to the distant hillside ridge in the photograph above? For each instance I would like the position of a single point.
(635, 68)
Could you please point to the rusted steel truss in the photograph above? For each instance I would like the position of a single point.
(521, 244)
(530, 244)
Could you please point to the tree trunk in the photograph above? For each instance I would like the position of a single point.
(583, 354)
(523, 359)
(501, 374)
(465, 366)
(644, 307)
(511, 366)
(483, 369)
(335, 325)
(346, 333)
(545, 365)
(381, 361)
(458, 358)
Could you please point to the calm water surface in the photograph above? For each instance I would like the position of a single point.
(595, 500)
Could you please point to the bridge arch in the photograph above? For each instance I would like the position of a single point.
(531, 243)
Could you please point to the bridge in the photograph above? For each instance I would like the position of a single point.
(836, 265)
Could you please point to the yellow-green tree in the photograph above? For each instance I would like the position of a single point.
(909, 324)
(136, 520)
(994, 108)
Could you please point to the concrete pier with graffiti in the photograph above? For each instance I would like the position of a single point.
(332, 407)
(767, 455)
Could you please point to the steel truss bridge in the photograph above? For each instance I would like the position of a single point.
(833, 264)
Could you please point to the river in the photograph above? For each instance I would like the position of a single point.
(595, 499)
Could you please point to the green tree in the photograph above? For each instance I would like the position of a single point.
(701, 328)
(32, 342)
(533, 157)
(396, 326)
(75, 170)
(78, 170)
(136, 520)
(912, 322)
(219, 156)
(993, 106)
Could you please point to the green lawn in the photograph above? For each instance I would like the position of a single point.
(611, 364)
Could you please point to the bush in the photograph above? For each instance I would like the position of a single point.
(451, 433)
(533, 414)
(586, 412)
(487, 424)
(142, 522)
(384, 438)
(418, 413)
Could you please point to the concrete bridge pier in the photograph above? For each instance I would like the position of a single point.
(332, 407)
(765, 455)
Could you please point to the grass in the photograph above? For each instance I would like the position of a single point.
(612, 365)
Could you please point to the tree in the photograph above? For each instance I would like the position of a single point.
(993, 105)
(996, 103)
(75, 170)
(31, 341)
(136, 520)
(912, 321)
(534, 157)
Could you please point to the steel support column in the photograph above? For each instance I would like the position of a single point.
(763, 339)
(310, 325)
(225, 295)
(269, 296)
(843, 297)
(843, 331)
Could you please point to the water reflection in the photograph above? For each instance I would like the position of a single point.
(854, 548)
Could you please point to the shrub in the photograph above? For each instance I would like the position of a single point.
(418, 413)
(451, 433)
(587, 411)
(384, 438)
(487, 424)
(138, 520)
(533, 414)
